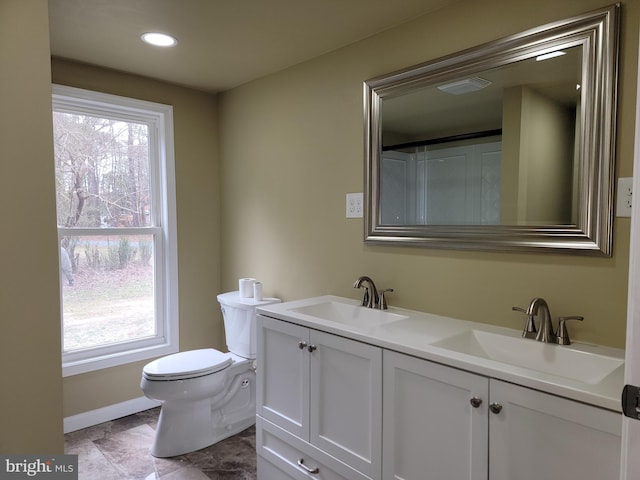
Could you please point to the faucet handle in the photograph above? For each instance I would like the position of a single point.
(563, 333)
(529, 330)
(383, 299)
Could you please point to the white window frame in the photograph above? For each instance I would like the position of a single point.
(159, 117)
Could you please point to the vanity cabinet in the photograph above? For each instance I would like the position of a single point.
(319, 403)
(440, 422)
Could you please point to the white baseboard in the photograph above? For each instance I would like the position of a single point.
(105, 414)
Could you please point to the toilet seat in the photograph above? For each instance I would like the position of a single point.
(185, 365)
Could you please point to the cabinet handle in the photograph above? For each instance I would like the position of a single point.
(302, 344)
(311, 348)
(312, 471)
(475, 402)
(495, 408)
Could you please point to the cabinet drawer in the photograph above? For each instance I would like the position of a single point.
(268, 471)
(285, 451)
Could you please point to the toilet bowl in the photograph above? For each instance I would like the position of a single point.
(206, 395)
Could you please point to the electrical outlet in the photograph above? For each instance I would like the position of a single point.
(624, 197)
(354, 205)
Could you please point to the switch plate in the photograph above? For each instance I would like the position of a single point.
(354, 205)
(623, 197)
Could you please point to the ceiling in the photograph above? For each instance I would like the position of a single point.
(222, 44)
(405, 116)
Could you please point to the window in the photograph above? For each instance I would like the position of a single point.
(115, 202)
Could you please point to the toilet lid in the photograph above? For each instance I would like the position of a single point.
(189, 364)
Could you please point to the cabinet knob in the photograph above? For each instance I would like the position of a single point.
(475, 402)
(312, 471)
(495, 408)
(311, 348)
(302, 344)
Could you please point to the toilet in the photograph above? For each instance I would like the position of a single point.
(207, 395)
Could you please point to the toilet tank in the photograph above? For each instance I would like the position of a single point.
(239, 315)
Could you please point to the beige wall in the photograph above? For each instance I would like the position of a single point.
(537, 161)
(31, 398)
(197, 198)
(548, 150)
(292, 147)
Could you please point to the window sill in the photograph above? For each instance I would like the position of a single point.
(77, 367)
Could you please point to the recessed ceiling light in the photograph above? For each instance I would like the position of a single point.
(159, 39)
(549, 55)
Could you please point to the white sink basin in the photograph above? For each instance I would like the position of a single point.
(349, 314)
(563, 361)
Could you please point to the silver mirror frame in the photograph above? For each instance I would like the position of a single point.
(598, 33)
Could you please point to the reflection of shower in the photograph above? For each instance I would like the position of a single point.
(457, 183)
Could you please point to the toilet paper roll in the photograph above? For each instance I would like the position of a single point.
(257, 291)
(245, 286)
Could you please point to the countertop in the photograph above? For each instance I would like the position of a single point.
(415, 333)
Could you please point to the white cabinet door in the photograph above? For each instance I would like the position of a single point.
(539, 436)
(325, 389)
(346, 401)
(431, 431)
(282, 394)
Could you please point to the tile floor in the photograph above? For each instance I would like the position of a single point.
(119, 450)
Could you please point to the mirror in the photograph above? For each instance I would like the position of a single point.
(508, 146)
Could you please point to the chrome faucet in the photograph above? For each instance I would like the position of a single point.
(371, 298)
(540, 309)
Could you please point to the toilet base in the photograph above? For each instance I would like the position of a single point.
(184, 427)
